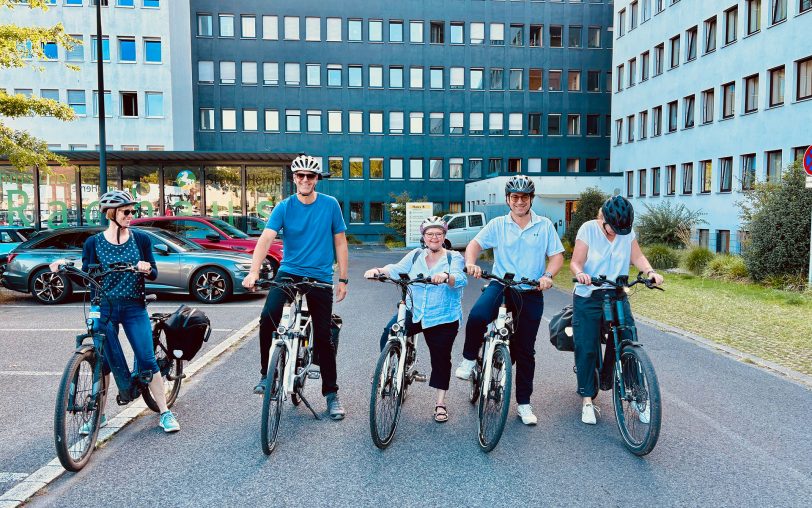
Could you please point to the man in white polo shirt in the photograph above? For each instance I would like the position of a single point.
(522, 243)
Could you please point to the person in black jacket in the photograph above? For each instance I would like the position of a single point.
(124, 305)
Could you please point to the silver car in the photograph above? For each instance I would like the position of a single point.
(183, 266)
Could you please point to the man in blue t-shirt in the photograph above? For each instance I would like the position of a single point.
(314, 238)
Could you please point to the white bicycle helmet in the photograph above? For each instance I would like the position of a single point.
(306, 163)
(433, 222)
(520, 185)
(113, 199)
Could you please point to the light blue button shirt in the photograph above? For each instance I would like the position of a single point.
(522, 252)
(432, 305)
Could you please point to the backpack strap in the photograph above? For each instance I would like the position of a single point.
(416, 255)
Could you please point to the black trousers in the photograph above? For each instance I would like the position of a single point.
(320, 306)
(527, 308)
(439, 339)
(587, 328)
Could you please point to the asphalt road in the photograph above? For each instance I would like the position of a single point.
(732, 434)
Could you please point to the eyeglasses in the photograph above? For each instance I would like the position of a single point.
(434, 235)
(127, 213)
(307, 176)
(516, 198)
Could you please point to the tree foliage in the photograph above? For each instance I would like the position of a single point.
(589, 202)
(667, 224)
(777, 217)
(23, 47)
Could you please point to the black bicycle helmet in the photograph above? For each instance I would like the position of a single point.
(521, 185)
(619, 214)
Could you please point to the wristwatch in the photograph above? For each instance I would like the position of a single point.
(345, 281)
(547, 274)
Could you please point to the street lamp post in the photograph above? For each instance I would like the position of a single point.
(100, 101)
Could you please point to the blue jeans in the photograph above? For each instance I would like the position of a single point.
(131, 314)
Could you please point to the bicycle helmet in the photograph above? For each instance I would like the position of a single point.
(619, 214)
(306, 163)
(521, 185)
(433, 222)
(113, 199)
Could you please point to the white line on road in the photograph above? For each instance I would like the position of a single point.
(153, 306)
(11, 477)
(78, 330)
(27, 373)
(33, 483)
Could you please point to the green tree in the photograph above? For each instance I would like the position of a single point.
(22, 47)
(589, 202)
(397, 213)
(777, 217)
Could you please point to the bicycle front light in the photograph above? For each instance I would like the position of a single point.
(282, 330)
(503, 332)
(395, 328)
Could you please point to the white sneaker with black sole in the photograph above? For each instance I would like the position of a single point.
(589, 414)
(465, 369)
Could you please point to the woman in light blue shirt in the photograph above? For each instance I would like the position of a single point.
(604, 246)
(435, 311)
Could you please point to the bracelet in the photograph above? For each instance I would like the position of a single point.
(345, 281)
(650, 272)
(447, 277)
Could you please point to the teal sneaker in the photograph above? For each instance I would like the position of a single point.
(168, 422)
(84, 430)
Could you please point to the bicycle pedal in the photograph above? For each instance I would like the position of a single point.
(313, 374)
(418, 377)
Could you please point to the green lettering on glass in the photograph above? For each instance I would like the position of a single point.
(62, 212)
(184, 208)
(261, 208)
(214, 209)
(146, 209)
(18, 209)
(92, 207)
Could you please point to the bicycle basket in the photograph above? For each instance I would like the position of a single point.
(561, 330)
(186, 330)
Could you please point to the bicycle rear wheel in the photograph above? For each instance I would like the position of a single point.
(77, 410)
(385, 399)
(494, 401)
(272, 399)
(171, 371)
(639, 413)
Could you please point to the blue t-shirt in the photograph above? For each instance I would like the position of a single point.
(308, 240)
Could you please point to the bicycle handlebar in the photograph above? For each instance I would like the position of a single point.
(288, 283)
(508, 279)
(420, 279)
(622, 282)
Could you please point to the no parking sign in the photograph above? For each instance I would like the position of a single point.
(808, 161)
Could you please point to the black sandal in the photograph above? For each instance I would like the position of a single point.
(440, 414)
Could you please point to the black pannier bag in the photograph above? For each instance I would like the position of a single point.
(186, 330)
(335, 328)
(561, 330)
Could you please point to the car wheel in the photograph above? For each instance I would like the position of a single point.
(50, 288)
(211, 285)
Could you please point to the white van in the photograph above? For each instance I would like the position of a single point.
(463, 227)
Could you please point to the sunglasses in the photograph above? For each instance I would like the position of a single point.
(307, 176)
(127, 213)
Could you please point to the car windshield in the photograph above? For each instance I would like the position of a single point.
(176, 241)
(228, 228)
(446, 218)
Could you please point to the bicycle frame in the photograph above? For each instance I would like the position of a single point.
(288, 334)
(398, 333)
(499, 332)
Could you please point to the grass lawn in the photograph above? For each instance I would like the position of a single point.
(771, 324)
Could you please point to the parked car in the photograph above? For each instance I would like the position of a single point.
(251, 225)
(213, 234)
(463, 227)
(183, 266)
(11, 237)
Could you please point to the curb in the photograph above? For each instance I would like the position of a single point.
(46, 474)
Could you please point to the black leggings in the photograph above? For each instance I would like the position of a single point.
(440, 339)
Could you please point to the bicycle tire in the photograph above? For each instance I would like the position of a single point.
(642, 401)
(173, 368)
(494, 402)
(384, 396)
(272, 400)
(71, 414)
(474, 383)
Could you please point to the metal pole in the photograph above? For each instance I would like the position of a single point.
(100, 101)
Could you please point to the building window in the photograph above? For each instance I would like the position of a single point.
(641, 183)
(436, 78)
(497, 34)
(496, 124)
(356, 212)
(336, 167)
(725, 174)
(630, 129)
(375, 27)
(228, 119)
(774, 166)
(573, 81)
(334, 29)
(777, 86)
(619, 131)
(671, 175)
(592, 122)
(476, 124)
(455, 168)
(435, 169)
(415, 169)
(271, 120)
(313, 121)
(554, 81)
(592, 80)
(334, 122)
(621, 23)
(556, 36)
(415, 122)
(659, 56)
(706, 176)
(105, 49)
(497, 79)
(436, 123)
(797, 152)
(77, 54)
(270, 73)
(516, 79)
(710, 35)
(573, 165)
(477, 32)
(689, 111)
(354, 30)
(804, 79)
(573, 125)
(312, 29)
(494, 166)
(690, 41)
(629, 184)
(228, 73)
(517, 35)
(108, 102)
(356, 168)
(376, 212)
(152, 3)
(575, 37)
(356, 122)
(416, 32)
(674, 52)
(804, 6)
(723, 241)
(594, 37)
(620, 76)
(126, 49)
(731, 22)
(632, 72)
(456, 123)
(334, 75)
(643, 124)
(657, 121)
(129, 104)
(152, 50)
(312, 74)
(270, 28)
(437, 32)
(535, 36)
(395, 169)
(553, 165)
(728, 100)
(205, 71)
(375, 76)
(751, 93)
(226, 22)
(644, 64)
(592, 165)
(748, 177)
(535, 84)
(293, 120)
(376, 168)
(753, 16)
(292, 74)
(395, 31)
(416, 77)
(672, 116)
(655, 181)
(249, 119)
(474, 168)
(707, 106)
(154, 100)
(457, 78)
(396, 122)
(553, 124)
(248, 26)
(704, 238)
(688, 178)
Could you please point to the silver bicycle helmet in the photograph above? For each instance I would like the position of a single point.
(433, 222)
(520, 184)
(113, 199)
(306, 163)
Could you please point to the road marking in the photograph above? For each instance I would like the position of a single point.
(11, 477)
(152, 306)
(27, 373)
(79, 330)
(36, 481)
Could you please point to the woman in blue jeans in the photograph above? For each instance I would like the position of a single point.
(125, 304)
(435, 311)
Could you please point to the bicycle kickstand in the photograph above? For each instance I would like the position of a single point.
(307, 404)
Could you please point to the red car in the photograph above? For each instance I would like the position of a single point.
(215, 234)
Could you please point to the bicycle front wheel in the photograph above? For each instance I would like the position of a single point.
(171, 371)
(385, 399)
(78, 411)
(494, 401)
(638, 412)
(272, 399)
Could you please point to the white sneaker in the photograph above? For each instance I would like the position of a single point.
(588, 414)
(465, 369)
(526, 414)
(644, 416)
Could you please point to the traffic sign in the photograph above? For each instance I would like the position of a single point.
(808, 160)
(809, 182)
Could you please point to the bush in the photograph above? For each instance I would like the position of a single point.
(776, 215)
(567, 248)
(726, 267)
(793, 282)
(667, 224)
(394, 244)
(661, 257)
(697, 258)
(352, 240)
(589, 202)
